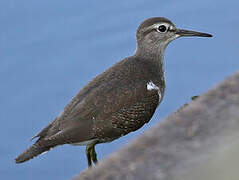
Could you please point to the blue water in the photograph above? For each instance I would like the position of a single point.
(50, 49)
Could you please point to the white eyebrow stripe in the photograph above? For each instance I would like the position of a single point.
(160, 24)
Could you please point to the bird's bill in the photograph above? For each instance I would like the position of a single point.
(183, 32)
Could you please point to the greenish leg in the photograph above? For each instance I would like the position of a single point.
(91, 154)
(88, 155)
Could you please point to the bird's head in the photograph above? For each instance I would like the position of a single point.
(159, 32)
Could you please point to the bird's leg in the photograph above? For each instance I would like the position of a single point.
(88, 155)
(93, 155)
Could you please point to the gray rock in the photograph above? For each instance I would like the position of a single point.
(199, 141)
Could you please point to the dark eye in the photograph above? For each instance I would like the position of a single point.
(162, 28)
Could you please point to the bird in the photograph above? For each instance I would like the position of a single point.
(118, 101)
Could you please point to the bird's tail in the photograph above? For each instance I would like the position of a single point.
(34, 150)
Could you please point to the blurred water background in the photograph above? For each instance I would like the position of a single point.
(50, 49)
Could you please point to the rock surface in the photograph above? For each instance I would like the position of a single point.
(199, 141)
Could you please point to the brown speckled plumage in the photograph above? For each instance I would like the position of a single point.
(116, 102)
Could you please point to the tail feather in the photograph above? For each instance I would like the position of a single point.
(33, 151)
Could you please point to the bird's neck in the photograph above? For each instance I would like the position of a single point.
(155, 56)
(152, 52)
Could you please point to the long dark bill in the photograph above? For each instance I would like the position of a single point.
(183, 32)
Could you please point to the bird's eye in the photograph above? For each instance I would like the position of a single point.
(162, 29)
